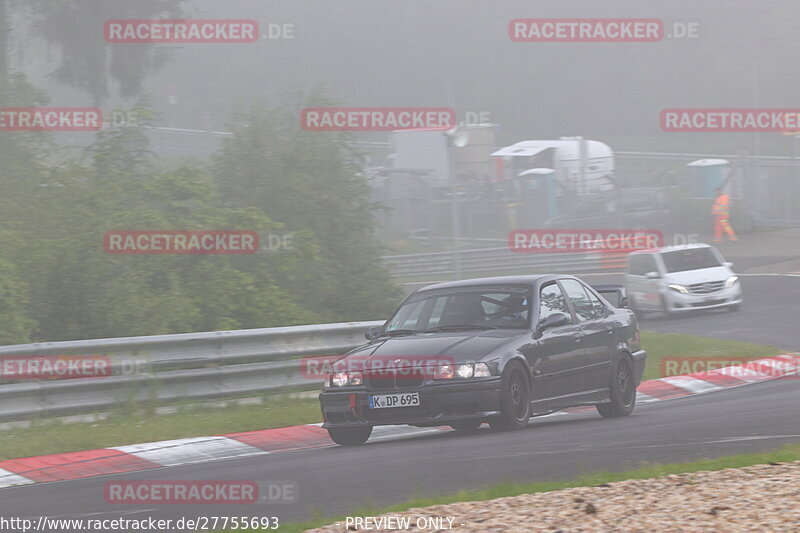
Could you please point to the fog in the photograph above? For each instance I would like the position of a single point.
(459, 54)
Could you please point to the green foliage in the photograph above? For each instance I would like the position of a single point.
(58, 283)
(17, 325)
(310, 182)
(88, 63)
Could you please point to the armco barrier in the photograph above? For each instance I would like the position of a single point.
(169, 368)
(500, 261)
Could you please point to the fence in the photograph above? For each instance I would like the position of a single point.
(768, 186)
(488, 261)
(169, 368)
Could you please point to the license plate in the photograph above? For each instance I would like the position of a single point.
(383, 401)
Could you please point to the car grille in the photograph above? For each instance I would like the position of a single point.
(707, 287)
(708, 303)
(391, 379)
(396, 415)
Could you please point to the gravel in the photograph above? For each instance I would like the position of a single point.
(763, 498)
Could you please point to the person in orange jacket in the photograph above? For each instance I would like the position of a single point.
(721, 211)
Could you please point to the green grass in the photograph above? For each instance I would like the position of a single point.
(661, 345)
(120, 428)
(785, 454)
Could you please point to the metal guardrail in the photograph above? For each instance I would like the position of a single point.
(169, 368)
(199, 366)
(501, 260)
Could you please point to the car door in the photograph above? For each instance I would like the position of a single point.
(651, 286)
(599, 334)
(558, 354)
(591, 333)
(642, 290)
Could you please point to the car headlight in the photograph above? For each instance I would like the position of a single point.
(731, 281)
(678, 288)
(341, 379)
(482, 370)
(444, 372)
(465, 371)
(462, 371)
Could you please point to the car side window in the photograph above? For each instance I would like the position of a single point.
(650, 263)
(638, 265)
(584, 308)
(599, 307)
(551, 301)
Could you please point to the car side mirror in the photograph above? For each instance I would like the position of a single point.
(552, 321)
(728, 264)
(652, 275)
(373, 333)
(624, 303)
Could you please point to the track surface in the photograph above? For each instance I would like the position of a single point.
(336, 480)
(770, 314)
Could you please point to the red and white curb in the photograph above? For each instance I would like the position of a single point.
(137, 457)
(754, 371)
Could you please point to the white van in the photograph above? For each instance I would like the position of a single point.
(681, 278)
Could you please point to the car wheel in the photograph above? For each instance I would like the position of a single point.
(622, 389)
(515, 400)
(350, 436)
(466, 426)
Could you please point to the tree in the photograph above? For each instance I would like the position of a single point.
(311, 183)
(75, 28)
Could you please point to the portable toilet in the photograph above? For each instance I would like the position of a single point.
(705, 175)
(538, 191)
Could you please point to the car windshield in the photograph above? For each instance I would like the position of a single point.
(463, 308)
(691, 259)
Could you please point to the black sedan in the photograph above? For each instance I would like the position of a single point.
(496, 350)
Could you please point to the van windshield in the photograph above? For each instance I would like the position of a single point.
(691, 259)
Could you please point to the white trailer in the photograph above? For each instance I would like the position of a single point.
(581, 165)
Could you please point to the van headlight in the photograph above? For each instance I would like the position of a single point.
(678, 288)
(731, 281)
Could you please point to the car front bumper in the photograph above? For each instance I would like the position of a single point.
(687, 302)
(440, 403)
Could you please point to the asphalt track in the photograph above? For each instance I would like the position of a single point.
(336, 480)
(769, 315)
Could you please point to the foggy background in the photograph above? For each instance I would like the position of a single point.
(349, 208)
(458, 54)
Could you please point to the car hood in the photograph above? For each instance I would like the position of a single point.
(458, 346)
(691, 277)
